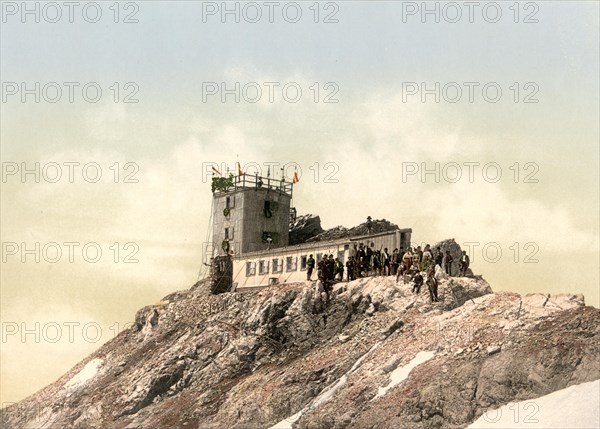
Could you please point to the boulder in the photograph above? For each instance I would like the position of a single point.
(455, 251)
(304, 228)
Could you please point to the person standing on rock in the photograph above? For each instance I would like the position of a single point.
(354, 251)
(464, 264)
(350, 269)
(432, 285)
(330, 269)
(400, 256)
(376, 262)
(310, 265)
(339, 269)
(322, 269)
(386, 261)
(427, 257)
(406, 261)
(368, 260)
(402, 267)
(360, 259)
(418, 279)
(330, 279)
(416, 259)
(439, 257)
(395, 262)
(323, 282)
(448, 259)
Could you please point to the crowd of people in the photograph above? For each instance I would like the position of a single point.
(365, 261)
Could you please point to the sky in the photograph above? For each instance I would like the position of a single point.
(478, 124)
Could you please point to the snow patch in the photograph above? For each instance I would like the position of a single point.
(88, 372)
(400, 374)
(325, 395)
(575, 407)
(287, 423)
(330, 390)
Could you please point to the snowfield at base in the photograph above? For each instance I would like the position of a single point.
(400, 374)
(575, 407)
(88, 372)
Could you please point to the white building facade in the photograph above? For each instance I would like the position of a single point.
(288, 264)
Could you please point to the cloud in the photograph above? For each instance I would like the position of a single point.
(109, 122)
(411, 130)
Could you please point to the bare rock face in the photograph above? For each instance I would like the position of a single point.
(304, 228)
(377, 226)
(307, 229)
(453, 247)
(375, 356)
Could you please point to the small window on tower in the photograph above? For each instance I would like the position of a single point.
(268, 209)
(227, 234)
(228, 202)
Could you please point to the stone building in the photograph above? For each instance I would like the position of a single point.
(250, 234)
(251, 215)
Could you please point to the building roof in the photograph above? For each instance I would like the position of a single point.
(318, 244)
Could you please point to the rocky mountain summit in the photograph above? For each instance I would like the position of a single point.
(376, 356)
(307, 229)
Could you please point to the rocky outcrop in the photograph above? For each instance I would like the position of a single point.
(304, 228)
(338, 232)
(375, 356)
(453, 247)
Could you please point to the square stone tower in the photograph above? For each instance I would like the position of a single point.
(250, 213)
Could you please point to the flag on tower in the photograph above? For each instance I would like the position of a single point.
(216, 171)
(295, 179)
(240, 172)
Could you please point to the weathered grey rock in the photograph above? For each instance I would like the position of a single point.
(395, 325)
(344, 338)
(304, 228)
(377, 226)
(491, 350)
(455, 251)
(250, 360)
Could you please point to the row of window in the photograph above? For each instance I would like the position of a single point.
(276, 264)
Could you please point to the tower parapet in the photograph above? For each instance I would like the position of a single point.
(235, 183)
